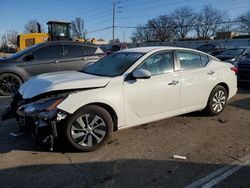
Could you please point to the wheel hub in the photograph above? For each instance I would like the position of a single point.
(88, 130)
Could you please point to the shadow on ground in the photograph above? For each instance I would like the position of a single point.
(117, 173)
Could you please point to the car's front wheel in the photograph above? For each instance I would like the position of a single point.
(217, 101)
(9, 83)
(89, 128)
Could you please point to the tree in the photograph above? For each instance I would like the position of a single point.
(77, 27)
(143, 34)
(162, 27)
(184, 19)
(244, 22)
(12, 37)
(208, 21)
(32, 26)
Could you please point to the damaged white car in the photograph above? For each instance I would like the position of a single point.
(125, 89)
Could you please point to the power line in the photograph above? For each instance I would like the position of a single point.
(162, 5)
(102, 29)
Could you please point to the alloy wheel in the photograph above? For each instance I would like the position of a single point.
(219, 101)
(88, 130)
(9, 84)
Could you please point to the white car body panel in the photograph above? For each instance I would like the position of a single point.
(60, 81)
(138, 101)
(151, 90)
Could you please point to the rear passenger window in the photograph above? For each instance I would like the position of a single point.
(73, 51)
(189, 60)
(204, 60)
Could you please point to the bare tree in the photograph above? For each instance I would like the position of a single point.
(244, 22)
(78, 30)
(162, 26)
(32, 27)
(208, 21)
(184, 19)
(144, 34)
(12, 37)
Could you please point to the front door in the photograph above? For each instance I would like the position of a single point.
(156, 96)
(45, 60)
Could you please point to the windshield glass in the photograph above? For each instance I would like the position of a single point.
(114, 64)
(236, 51)
(22, 52)
(206, 48)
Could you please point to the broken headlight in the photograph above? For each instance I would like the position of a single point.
(43, 106)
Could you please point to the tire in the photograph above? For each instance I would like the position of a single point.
(217, 101)
(9, 83)
(82, 134)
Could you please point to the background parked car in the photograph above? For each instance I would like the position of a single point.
(43, 58)
(116, 48)
(244, 69)
(234, 54)
(212, 49)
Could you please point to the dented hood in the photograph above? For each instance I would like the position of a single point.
(58, 81)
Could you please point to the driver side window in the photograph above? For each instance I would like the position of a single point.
(159, 63)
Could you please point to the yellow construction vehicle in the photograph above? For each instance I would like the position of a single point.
(57, 30)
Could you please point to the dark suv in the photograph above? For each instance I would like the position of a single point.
(44, 58)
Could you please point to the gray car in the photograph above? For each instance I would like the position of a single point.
(43, 58)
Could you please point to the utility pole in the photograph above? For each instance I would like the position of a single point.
(113, 27)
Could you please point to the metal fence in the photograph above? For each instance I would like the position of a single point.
(195, 44)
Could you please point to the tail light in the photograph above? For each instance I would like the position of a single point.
(235, 69)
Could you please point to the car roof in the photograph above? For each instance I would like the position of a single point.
(155, 48)
(69, 42)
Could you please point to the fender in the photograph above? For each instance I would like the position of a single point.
(15, 70)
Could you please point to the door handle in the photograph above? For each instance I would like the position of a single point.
(211, 73)
(54, 61)
(173, 82)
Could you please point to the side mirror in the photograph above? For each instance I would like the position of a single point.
(141, 74)
(29, 57)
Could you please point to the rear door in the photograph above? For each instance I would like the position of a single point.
(45, 60)
(197, 79)
(73, 57)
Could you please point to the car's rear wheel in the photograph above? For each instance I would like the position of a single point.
(9, 83)
(89, 128)
(217, 101)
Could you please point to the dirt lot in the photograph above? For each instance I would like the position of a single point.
(217, 150)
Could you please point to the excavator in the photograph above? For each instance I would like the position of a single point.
(57, 30)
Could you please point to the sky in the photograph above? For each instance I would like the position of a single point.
(97, 14)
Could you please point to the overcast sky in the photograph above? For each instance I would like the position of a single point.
(98, 13)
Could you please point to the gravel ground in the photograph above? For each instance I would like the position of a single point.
(137, 157)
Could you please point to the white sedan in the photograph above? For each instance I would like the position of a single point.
(125, 89)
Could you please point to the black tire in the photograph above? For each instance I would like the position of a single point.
(82, 142)
(9, 83)
(216, 107)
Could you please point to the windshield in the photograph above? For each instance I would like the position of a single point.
(114, 64)
(206, 48)
(22, 52)
(236, 51)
